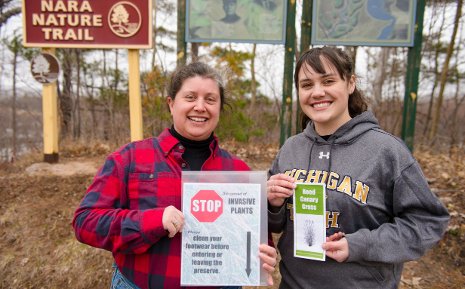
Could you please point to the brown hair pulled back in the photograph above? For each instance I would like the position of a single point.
(192, 70)
(342, 62)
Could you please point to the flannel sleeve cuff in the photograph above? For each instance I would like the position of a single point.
(152, 225)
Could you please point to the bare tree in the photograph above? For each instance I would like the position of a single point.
(15, 46)
(435, 52)
(154, 31)
(65, 94)
(456, 132)
(445, 71)
(77, 104)
(90, 91)
(381, 73)
(8, 10)
(253, 84)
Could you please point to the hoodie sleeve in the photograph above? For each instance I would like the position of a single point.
(276, 219)
(419, 222)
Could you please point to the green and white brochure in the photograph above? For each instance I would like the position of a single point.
(309, 221)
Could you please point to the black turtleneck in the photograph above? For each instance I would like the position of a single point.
(197, 152)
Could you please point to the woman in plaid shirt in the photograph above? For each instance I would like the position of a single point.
(132, 206)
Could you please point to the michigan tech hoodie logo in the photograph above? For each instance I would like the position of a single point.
(353, 188)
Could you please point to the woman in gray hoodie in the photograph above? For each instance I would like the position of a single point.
(380, 211)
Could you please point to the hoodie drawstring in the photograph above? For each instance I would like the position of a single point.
(309, 160)
(330, 160)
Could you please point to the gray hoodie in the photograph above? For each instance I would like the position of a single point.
(376, 194)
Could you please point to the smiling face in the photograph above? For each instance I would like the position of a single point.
(324, 97)
(196, 108)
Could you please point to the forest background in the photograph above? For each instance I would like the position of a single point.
(94, 120)
(93, 84)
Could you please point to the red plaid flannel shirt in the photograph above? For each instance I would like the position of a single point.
(123, 207)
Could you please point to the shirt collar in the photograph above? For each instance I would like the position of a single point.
(168, 142)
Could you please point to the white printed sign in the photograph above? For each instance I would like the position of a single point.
(221, 235)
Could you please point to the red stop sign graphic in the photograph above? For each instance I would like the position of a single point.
(206, 206)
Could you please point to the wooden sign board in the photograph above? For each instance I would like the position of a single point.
(87, 24)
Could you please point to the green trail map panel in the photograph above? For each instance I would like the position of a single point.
(250, 21)
(364, 22)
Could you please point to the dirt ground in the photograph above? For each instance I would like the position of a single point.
(38, 248)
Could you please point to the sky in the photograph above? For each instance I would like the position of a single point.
(270, 60)
(269, 55)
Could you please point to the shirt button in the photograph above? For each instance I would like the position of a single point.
(183, 165)
(181, 147)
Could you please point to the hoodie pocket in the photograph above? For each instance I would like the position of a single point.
(376, 273)
(371, 276)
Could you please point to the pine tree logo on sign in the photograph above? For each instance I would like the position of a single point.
(206, 206)
(124, 19)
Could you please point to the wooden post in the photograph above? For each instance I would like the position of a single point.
(135, 103)
(50, 118)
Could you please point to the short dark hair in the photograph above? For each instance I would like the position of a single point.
(343, 63)
(195, 69)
